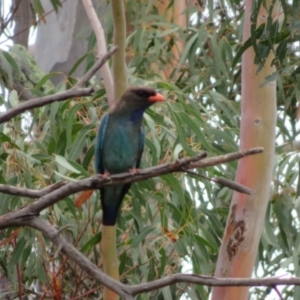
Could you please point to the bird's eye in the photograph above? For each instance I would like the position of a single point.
(142, 93)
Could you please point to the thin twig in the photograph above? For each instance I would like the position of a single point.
(277, 292)
(222, 181)
(210, 281)
(38, 294)
(212, 161)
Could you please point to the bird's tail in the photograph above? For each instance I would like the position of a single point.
(110, 213)
(111, 199)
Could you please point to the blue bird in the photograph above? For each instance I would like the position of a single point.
(120, 143)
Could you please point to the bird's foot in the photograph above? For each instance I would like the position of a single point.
(105, 175)
(134, 171)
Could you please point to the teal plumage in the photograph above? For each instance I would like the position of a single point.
(120, 143)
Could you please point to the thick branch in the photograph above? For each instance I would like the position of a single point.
(23, 192)
(246, 217)
(73, 254)
(76, 91)
(22, 20)
(95, 182)
(119, 64)
(109, 256)
(101, 50)
(128, 292)
(42, 101)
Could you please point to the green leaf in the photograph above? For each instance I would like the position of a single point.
(167, 293)
(40, 271)
(88, 157)
(140, 238)
(80, 142)
(37, 6)
(56, 4)
(13, 98)
(203, 241)
(163, 261)
(78, 167)
(77, 64)
(25, 255)
(64, 163)
(6, 138)
(6, 71)
(44, 79)
(70, 122)
(186, 50)
(92, 242)
(17, 252)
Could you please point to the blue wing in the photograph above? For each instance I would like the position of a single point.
(99, 144)
(141, 146)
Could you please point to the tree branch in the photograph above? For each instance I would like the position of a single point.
(222, 181)
(23, 20)
(101, 50)
(13, 9)
(210, 281)
(41, 101)
(73, 254)
(129, 292)
(101, 62)
(27, 216)
(119, 79)
(95, 182)
(23, 192)
(119, 70)
(217, 160)
(76, 91)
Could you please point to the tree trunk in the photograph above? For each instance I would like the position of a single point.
(63, 39)
(258, 120)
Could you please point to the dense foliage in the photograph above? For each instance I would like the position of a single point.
(173, 223)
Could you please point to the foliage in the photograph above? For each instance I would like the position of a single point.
(172, 223)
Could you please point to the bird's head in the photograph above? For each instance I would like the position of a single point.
(136, 100)
(141, 96)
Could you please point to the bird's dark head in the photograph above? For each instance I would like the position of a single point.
(137, 99)
(141, 96)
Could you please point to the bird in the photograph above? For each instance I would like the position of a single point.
(119, 144)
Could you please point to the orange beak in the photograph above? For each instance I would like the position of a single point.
(156, 98)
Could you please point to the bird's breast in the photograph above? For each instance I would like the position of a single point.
(121, 148)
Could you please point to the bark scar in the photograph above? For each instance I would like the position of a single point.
(236, 233)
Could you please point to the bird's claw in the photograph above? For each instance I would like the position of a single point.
(134, 171)
(105, 175)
